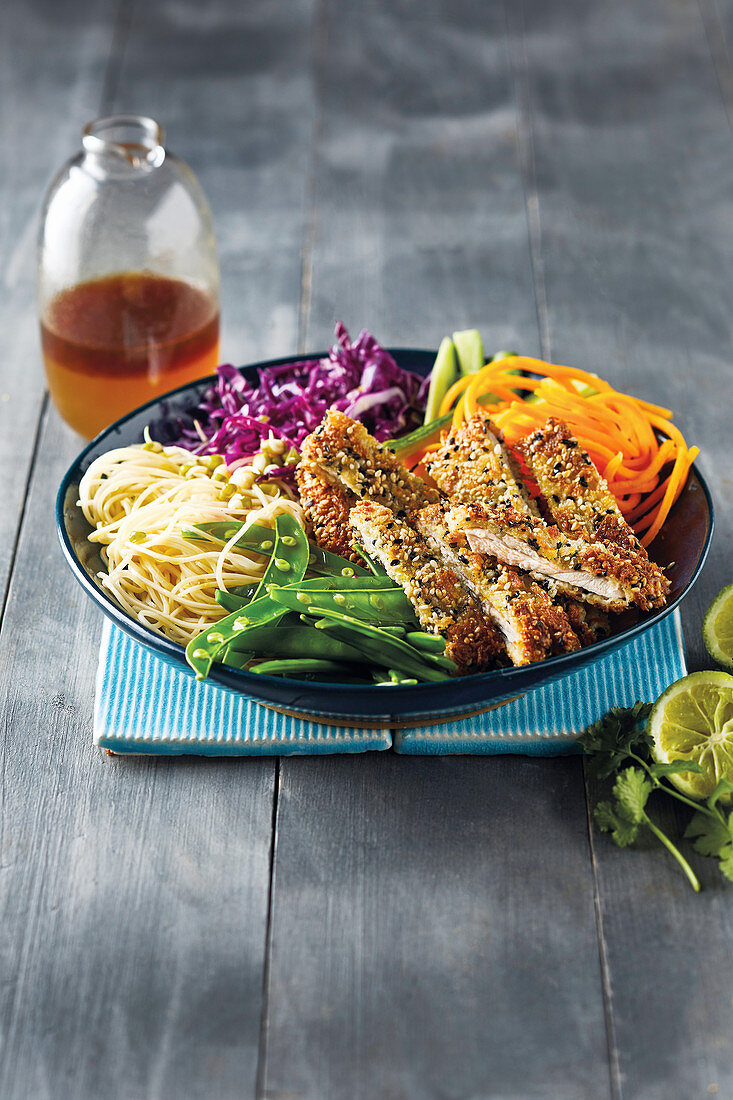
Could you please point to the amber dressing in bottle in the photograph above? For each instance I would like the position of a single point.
(111, 344)
(128, 276)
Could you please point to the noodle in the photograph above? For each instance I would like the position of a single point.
(140, 498)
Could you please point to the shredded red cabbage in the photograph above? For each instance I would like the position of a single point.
(360, 379)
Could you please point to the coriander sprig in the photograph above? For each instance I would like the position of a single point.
(618, 744)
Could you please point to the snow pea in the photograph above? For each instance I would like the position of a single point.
(381, 647)
(288, 562)
(260, 539)
(323, 561)
(202, 650)
(349, 584)
(387, 605)
(255, 537)
(289, 559)
(290, 639)
(391, 677)
(430, 643)
(297, 666)
(375, 567)
(237, 598)
(234, 598)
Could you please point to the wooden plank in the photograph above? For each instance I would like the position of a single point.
(135, 892)
(230, 84)
(421, 939)
(51, 71)
(622, 155)
(430, 931)
(419, 225)
(718, 21)
(632, 165)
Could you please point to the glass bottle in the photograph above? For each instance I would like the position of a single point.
(128, 278)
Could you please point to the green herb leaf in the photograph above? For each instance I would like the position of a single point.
(726, 861)
(712, 833)
(623, 832)
(611, 739)
(632, 789)
(619, 744)
(605, 816)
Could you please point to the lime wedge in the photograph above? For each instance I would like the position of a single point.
(470, 350)
(442, 377)
(693, 720)
(717, 628)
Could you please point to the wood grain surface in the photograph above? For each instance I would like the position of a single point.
(559, 175)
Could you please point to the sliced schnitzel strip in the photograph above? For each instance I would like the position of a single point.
(327, 510)
(607, 576)
(442, 602)
(532, 625)
(474, 465)
(577, 497)
(343, 453)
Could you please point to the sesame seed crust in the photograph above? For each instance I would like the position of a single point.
(606, 575)
(532, 625)
(479, 564)
(343, 452)
(589, 623)
(327, 509)
(577, 496)
(473, 464)
(442, 603)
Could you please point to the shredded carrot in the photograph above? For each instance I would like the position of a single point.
(664, 454)
(629, 502)
(613, 465)
(641, 453)
(456, 389)
(667, 414)
(642, 508)
(676, 480)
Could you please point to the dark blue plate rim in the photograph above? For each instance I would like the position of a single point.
(315, 696)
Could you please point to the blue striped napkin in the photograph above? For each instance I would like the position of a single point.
(143, 705)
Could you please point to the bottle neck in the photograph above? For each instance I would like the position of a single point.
(129, 142)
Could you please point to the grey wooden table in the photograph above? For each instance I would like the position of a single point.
(558, 173)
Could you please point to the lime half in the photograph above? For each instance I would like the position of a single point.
(717, 628)
(693, 720)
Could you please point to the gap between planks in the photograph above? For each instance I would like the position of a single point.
(26, 490)
(518, 67)
(614, 1063)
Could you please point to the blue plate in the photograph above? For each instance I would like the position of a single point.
(681, 546)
